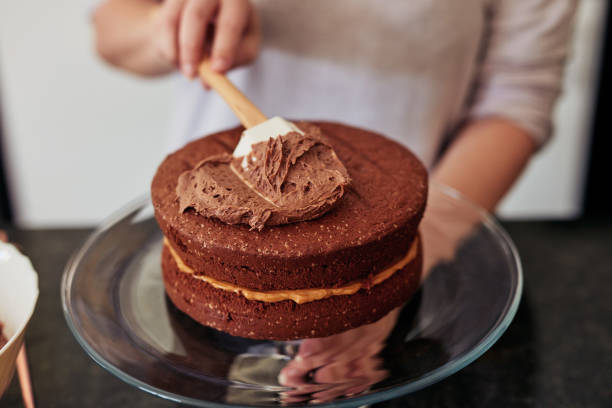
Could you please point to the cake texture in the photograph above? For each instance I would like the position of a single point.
(314, 278)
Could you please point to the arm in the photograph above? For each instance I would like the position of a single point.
(508, 118)
(124, 36)
(486, 158)
(153, 38)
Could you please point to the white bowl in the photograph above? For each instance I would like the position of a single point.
(18, 295)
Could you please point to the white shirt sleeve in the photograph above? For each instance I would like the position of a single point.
(522, 64)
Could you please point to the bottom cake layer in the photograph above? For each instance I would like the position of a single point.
(286, 320)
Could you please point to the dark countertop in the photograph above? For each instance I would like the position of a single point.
(556, 353)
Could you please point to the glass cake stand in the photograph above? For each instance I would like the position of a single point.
(115, 305)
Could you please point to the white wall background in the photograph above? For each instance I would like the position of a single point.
(82, 139)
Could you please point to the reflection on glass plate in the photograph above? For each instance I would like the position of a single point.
(115, 305)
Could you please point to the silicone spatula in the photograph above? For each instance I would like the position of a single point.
(258, 127)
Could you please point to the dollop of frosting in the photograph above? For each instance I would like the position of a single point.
(288, 178)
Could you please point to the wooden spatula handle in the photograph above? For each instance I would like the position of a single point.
(248, 114)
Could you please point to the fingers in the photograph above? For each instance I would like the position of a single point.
(231, 26)
(184, 33)
(248, 48)
(326, 382)
(330, 345)
(192, 33)
(170, 15)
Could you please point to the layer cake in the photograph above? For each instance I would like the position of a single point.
(348, 267)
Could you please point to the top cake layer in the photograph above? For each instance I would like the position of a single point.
(371, 227)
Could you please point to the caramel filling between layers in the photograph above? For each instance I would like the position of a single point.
(299, 296)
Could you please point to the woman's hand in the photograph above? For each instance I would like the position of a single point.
(151, 38)
(347, 363)
(187, 30)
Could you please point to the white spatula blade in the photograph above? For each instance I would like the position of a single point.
(271, 128)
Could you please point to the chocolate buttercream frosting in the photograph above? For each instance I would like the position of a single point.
(289, 178)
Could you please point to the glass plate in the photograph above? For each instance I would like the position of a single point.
(115, 305)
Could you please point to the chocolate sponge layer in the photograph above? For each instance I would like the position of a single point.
(286, 320)
(372, 226)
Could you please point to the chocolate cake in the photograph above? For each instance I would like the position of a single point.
(262, 276)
